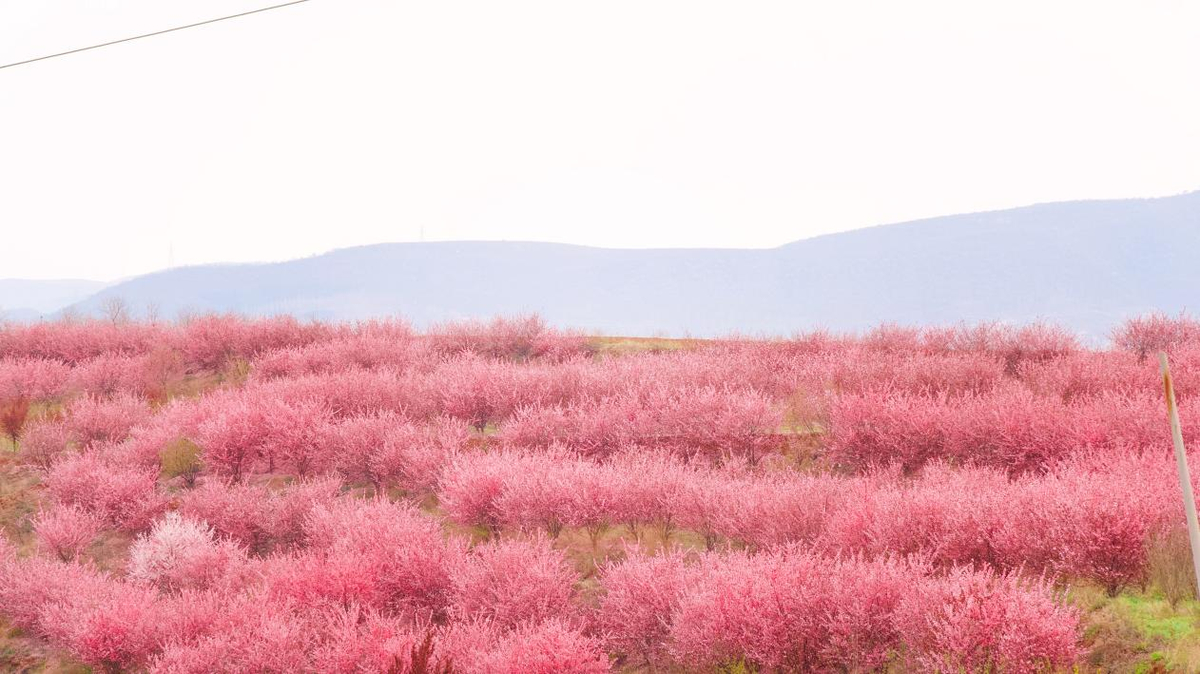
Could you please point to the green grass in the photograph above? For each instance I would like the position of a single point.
(1138, 631)
(1154, 619)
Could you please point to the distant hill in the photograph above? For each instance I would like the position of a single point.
(22, 299)
(1085, 264)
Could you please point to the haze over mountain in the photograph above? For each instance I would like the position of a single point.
(22, 299)
(1084, 264)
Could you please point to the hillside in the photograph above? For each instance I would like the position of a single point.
(1085, 264)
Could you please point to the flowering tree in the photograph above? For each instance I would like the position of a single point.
(66, 531)
(179, 553)
(123, 497)
(512, 582)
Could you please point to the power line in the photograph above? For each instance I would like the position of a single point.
(157, 32)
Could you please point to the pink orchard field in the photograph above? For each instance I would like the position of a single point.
(237, 495)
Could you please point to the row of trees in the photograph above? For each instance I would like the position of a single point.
(1011, 429)
(209, 341)
(791, 610)
(365, 586)
(1066, 524)
(374, 586)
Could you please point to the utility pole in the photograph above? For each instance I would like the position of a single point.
(1185, 480)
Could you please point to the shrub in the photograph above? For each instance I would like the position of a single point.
(111, 625)
(13, 413)
(551, 646)
(251, 634)
(93, 421)
(122, 497)
(1145, 335)
(385, 448)
(511, 582)
(512, 338)
(977, 621)
(179, 553)
(470, 486)
(766, 610)
(143, 375)
(1169, 565)
(32, 378)
(27, 585)
(381, 555)
(211, 342)
(258, 518)
(65, 531)
(641, 594)
(255, 428)
(354, 640)
(43, 441)
(116, 627)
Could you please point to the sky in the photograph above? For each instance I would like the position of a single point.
(638, 123)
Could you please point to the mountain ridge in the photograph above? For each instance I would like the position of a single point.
(1085, 264)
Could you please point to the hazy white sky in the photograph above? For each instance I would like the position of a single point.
(633, 123)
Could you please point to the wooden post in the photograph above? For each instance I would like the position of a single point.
(1185, 480)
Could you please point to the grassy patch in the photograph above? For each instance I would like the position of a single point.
(620, 345)
(1139, 631)
(19, 499)
(1154, 619)
(21, 653)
